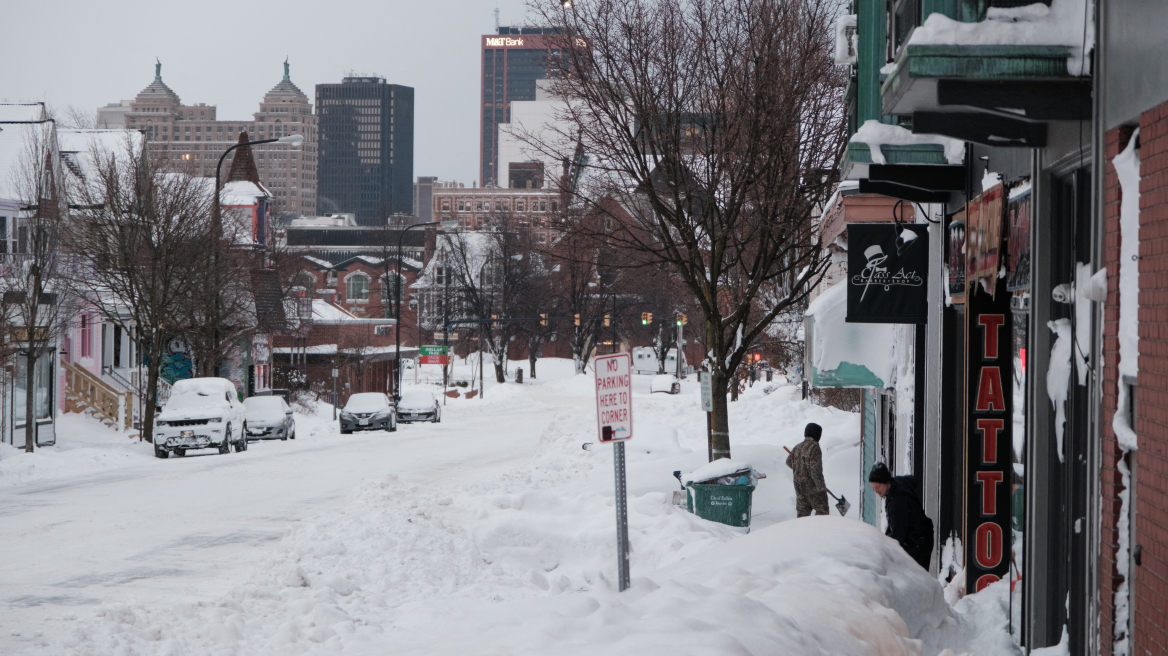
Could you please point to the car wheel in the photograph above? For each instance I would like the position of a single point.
(241, 445)
(225, 447)
(345, 432)
(292, 432)
(160, 453)
(180, 452)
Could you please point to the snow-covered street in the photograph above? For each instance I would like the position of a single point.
(491, 532)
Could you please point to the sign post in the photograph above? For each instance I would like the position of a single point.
(434, 355)
(708, 407)
(614, 421)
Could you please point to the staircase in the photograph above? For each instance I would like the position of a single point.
(88, 394)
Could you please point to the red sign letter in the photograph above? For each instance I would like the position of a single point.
(984, 581)
(989, 491)
(991, 322)
(989, 391)
(989, 545)
(989, 439)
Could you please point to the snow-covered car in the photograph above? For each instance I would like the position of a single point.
(268, 418)
(419, 405)
(368, 411)
(665, 383)
(201, 413)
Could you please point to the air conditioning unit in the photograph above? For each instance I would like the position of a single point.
(845, 40)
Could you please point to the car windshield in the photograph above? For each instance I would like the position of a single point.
(417, 399)
(367, 402)
(267, 407)
(188, 400)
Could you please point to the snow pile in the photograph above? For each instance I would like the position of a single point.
(877, 134)
(1063, 23)
(717, 469)
(84, 445)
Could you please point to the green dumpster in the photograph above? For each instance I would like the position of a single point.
(725, 504)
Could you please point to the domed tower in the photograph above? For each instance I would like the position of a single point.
(155, 109)
(288, 171)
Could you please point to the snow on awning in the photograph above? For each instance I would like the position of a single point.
(842, 354)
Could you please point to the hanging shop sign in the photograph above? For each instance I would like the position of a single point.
(988, 436)
(984, 236)
(956, 258)
(1018, 219)
(434, 355)
(888, 273)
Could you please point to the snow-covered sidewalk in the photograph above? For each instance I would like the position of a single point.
(492, 533)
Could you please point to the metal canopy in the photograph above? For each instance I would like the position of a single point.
(988, 129)
(903, 191)
(1043, 100)
(926, 177)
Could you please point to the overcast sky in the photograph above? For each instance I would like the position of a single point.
(229, 53)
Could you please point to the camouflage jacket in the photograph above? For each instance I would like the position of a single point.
(806, 461)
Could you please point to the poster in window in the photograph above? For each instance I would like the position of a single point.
(957, 255)
(888, 270)
(1018, 247)
(984, 235)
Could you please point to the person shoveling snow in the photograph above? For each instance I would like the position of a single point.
(806, 462)
(907, 522)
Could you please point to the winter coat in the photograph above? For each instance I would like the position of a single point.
(806, 463)
(907, 522)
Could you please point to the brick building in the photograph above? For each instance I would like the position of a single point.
(535, 208)
(193, 136)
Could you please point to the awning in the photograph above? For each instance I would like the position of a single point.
(842, 354)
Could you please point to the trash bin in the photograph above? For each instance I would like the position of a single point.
(721, 494)
(725, 504)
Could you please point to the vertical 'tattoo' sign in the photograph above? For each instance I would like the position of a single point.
(614, 397)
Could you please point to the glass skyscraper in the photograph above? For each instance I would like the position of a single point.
(366, 161)
(512, 61)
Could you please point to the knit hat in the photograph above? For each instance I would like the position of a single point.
(813, 430)
(880, 474)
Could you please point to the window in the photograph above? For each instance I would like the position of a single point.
(86, 337)
(542, 206)
(478, 206)
(555, 205)
(389, 292)
(445, 204)
(520, 205)
(357, 287)
(3, 234)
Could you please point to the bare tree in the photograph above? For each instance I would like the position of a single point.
(142, 236)
(34, 278)
(715, 124)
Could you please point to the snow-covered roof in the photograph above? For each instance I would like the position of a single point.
(14, 138)
(22, 112)
(477, 246)
(79, 146)
(323, 310)
(241, 193)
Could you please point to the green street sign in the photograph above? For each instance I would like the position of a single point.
(435, 350)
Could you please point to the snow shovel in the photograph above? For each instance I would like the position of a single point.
(841, 505)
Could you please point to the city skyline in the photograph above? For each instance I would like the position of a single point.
(233, 67)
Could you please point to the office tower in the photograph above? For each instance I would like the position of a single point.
(512, 61)
(366, 164)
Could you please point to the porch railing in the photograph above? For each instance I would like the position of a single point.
(86, 389)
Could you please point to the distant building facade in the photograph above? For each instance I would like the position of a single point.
(476, 208)
(512, 61)
(192, 136)
(113, 115)
(366, 162)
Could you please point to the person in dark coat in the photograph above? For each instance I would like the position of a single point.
(907, 522)
(806, 463)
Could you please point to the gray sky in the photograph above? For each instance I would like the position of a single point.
(229, 53)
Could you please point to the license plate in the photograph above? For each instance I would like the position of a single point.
(364, 422)
(189, 433)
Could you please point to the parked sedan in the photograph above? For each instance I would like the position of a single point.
(419, 405)
(201, 413)
(269, 418)
(368, 411)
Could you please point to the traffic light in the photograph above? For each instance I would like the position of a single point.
(646, 318)
(757, 357)
(606, 321)
(576, 320)
(677, 319)
(543, 319)
(494, 324)
(684, 320)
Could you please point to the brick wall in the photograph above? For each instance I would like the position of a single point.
(1151, 579)
(1110, 484)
